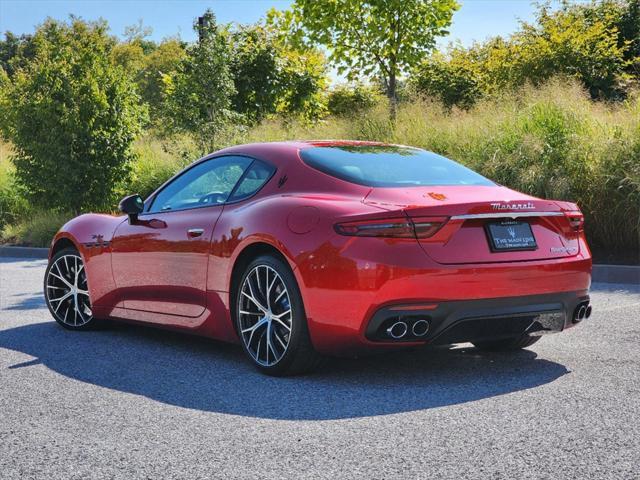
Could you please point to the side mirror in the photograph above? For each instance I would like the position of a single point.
(132, 206)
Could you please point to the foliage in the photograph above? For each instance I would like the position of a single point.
(162, 62)
(36, 230)
(376, 37)
(12, 205)
(72, 117)
(345, 100)
(15, 52)
(256, 73)
(270, 77)
(157, 161)
(592, 42)
(453, 78)
(129, 56)
(199, 92)
(551, 141)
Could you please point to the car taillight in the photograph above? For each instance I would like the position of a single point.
(576, 220)
(395, 227)
(427, 226)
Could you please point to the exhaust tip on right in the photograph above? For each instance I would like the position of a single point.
(420, 328)
(582, 311)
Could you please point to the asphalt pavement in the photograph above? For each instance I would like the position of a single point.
(131, 402)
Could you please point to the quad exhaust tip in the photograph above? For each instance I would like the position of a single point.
(582, 311)
(420, 328)
(402, 329)
(398, 330)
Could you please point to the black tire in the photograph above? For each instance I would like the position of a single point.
(507, 344)
(298, 356)
(57, 282)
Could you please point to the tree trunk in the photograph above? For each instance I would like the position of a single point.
(391, 95)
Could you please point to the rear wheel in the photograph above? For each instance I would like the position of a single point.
(507, 344)
(66, 291)
(271, 320)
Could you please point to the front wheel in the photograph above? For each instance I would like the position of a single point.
(66, 291)
(507, 344)
(271, 320)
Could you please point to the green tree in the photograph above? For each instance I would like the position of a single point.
(198, 94)
(270, 76)
(384, 38)
(15, 51)
(346, 100)
(71, 117)
(256, 72)
(162, 62)
(452, 78)
(591, 42)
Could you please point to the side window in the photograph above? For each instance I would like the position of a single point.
(208, 183)
(254, 179)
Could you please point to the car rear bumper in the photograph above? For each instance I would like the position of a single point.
(464, 303)
(476, 320)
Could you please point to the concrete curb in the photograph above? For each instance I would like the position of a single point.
(616, 274)
(601, 273)
(24, 252)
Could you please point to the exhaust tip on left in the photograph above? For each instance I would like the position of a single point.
(398, 330)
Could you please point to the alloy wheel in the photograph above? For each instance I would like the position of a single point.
(67, 292)
(265, 317)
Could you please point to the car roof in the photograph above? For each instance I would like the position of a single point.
(281, 153)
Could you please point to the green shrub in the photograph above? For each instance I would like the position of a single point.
(12, 204)
(553, 142)
(346, 100)
(35, 231)
(593, 42)
(156, 162)
(72, 116)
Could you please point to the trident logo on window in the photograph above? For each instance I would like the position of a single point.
(512, 232)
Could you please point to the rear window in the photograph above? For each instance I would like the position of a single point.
(390, 166)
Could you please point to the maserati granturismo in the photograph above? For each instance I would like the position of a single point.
(301, 250)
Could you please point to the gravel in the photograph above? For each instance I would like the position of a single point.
(133, 402)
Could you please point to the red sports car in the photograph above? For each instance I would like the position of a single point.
(303, 249)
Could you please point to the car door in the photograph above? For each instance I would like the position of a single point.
(159, 261)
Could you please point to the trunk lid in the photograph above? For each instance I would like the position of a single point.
(466, 237)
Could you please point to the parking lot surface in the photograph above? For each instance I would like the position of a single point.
(131, 402)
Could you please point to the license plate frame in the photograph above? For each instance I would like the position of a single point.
(510, 236)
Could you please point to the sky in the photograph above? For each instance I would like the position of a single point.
(476, 19)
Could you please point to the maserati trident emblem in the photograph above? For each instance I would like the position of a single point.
(513, 206)
(437, 196)
(512, 232)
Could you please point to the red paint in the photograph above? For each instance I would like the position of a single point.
(154, 272)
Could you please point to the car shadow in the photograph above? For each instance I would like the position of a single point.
(205, 375)
(27, 301)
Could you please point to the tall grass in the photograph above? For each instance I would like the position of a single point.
(552, 142)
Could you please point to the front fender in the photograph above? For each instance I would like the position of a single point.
(91, 235)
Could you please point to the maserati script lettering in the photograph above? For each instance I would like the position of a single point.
(513, 206)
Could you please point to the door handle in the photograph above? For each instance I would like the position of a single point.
(195, 232)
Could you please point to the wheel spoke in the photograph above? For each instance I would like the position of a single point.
(280, 315)
(61, 278)
(253, 299)
(284, 290)
(280, 322)
(59, 299)
(277, 337)
(253, 329)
